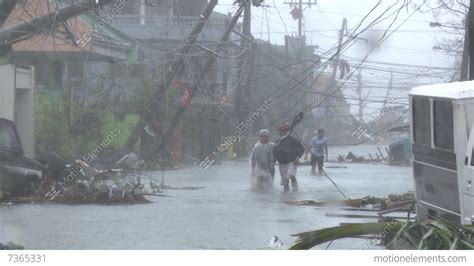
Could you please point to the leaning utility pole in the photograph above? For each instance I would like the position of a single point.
(31, 27)
(188, 43)
(245, 45)
(174, 69)
(197, 82)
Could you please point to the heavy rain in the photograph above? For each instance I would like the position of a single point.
(236, 125)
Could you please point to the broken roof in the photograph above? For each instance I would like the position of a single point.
(84, 36)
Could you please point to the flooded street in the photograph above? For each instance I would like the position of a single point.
(223, 215)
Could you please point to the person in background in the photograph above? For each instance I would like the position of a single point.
(263, 169)
(287, 152)
(318, 146)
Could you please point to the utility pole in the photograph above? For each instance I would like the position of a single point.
(175, 68)
(339, 48)
(300, 20)
(196, 84)
(245, 45)
(465, 51)
(470, 37)
(389, 90)
(299, 4)
(31, 27)
(242, 83)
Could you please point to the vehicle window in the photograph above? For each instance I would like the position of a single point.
(7, 137)
(443, 124)
(421, 121)
(472, 157)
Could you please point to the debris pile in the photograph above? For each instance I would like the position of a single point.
(79, 183)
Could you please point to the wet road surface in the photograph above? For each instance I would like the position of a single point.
(223, 215)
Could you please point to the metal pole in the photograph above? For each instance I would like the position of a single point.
(300, 20)
(246, 30)
(339, 48)
(471, 44)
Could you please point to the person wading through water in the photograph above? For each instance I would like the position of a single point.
(318, 146)
(263, 167)
(287, 152)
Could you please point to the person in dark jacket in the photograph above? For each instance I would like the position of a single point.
(287, 152)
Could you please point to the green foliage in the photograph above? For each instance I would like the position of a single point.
(430, 235)
(311, 239)
(54, 124)
(433, 235)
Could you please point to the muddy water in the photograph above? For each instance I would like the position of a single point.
(224, 215)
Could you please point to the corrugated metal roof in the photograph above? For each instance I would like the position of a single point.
(455, 90)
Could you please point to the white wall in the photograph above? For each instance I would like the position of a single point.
(7, 91)
(17, 98)
(25, 109)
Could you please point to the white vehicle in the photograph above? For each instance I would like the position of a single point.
(442, 136)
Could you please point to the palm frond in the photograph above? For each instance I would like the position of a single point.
(311, 239)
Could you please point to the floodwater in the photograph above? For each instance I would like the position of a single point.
(223, 215)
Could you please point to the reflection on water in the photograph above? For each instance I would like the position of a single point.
(226, 214)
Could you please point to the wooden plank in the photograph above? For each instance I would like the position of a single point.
(363, 216)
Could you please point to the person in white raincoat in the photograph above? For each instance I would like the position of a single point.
(263, 169)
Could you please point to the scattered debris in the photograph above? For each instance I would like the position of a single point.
(275, 242)
(79, 183)
(368, 202)
(336, 167)
(131, 161)
(166, 187)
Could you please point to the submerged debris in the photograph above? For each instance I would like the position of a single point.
(366, 202)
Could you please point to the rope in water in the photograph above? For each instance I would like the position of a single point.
(340, 189)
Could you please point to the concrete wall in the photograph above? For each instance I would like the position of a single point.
(7, 92)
